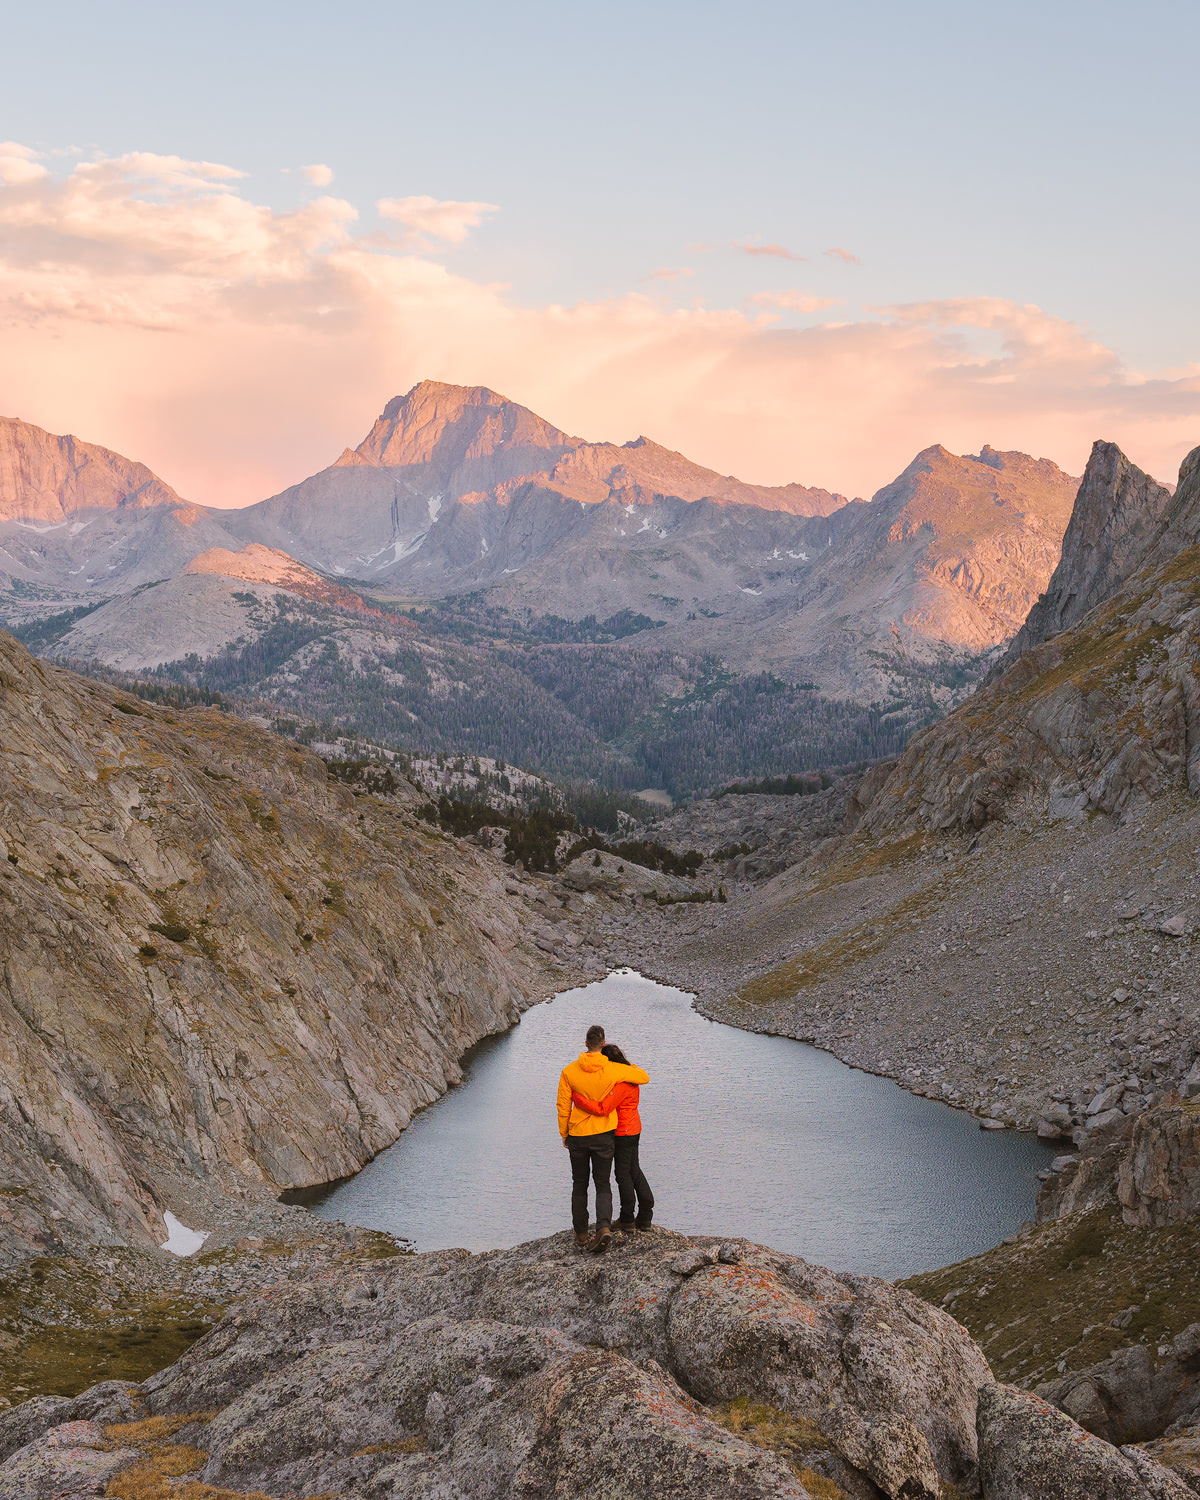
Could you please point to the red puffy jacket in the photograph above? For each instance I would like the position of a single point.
(623, 1097)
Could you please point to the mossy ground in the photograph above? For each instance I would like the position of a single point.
(65, 1325)
(1050, 1298)
(63, 1329)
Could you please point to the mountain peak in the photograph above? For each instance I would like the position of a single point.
(449, 426)
(964, 492)
(449, 396)
(48, 478)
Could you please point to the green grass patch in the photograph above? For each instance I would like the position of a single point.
(1052, 1295)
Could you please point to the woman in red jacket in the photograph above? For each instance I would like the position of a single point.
(631, 1181)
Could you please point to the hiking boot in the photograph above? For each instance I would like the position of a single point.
(643, 1222)
(581, 1239)
(625, 1226)
(602, 1241)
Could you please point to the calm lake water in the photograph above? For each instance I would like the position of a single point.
(754, 1136)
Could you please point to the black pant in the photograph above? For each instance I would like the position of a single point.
(594, 1154)
(631, 1180)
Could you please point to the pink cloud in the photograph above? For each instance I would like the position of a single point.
(780, 252)
(18, 164)
(318, 174)
(837, 253)
(427, 219)
(669, 273)
(148, 303)
(799, 302)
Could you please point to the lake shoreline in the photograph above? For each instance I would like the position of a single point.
(363, 1199)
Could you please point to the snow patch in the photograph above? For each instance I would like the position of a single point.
(484, 549)
(41, 530)
(396, 547)
(803, 556)
(180, 1239)
(645, 526)
(755, 592)
(435, 505)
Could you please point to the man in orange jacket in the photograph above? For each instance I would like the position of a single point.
(591, 1139)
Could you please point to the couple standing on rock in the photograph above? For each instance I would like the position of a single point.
(599, 1124)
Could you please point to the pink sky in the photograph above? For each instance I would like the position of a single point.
(152, 305)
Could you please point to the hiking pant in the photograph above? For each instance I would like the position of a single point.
(631, 1181)
(594, 1154)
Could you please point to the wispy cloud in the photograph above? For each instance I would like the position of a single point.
(427, 219)
(837, 253)
(243, 348)
(318, 174)
(799, 302)
(780, 252)
(669, 273)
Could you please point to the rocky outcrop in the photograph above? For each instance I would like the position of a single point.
(1129, 1398)
(1158, 1179)
(1116, 517)
(540, 1371)
(674, 1368)
(1028, 1449)
(219, 966)
(1148, 1163)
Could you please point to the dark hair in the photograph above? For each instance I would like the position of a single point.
(614, 1053)
(595, 1035)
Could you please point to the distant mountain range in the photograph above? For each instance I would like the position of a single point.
(501, 525)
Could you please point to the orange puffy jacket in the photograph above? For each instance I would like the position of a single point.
(592, 1076)
(623, 1097)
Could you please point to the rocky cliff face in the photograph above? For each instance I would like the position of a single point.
(1115, 520)
(465, 438)
(989, 526)
(219, 967)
